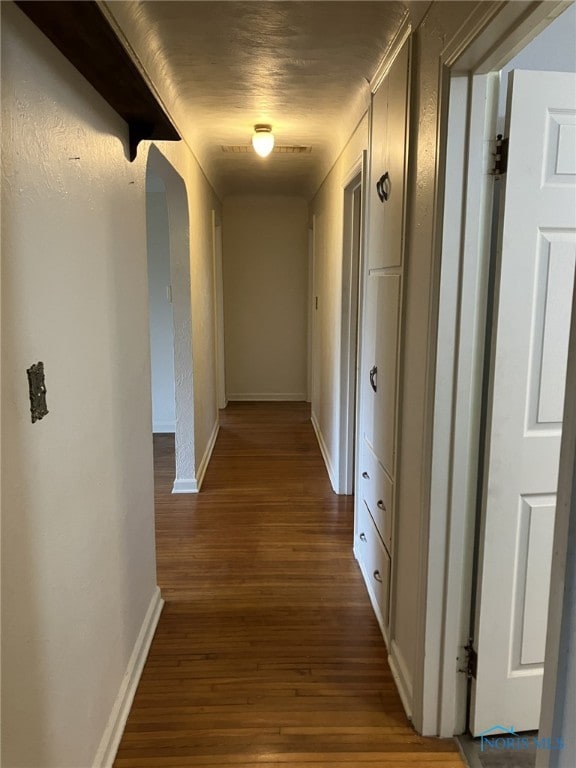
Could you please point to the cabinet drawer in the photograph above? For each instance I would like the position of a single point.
(374, 562)
(376, 490)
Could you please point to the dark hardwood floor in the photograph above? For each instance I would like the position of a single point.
(267, 652)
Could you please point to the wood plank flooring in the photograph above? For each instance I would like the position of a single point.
(267, 652)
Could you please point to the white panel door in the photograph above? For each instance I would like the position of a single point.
(537, 254)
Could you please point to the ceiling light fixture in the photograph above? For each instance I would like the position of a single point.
(263, 140)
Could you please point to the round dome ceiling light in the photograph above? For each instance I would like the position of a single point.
(263, 140)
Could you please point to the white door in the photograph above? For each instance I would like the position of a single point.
(534, 283)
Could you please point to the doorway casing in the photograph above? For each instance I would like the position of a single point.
(352, 268)
(492, 36)
(219, 310)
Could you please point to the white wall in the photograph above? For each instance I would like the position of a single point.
(327, 207)
(265, 266)
(78, 525)
(160, 307)
(77, 492)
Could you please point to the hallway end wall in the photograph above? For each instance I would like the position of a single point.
(265, 275)
(327, 207)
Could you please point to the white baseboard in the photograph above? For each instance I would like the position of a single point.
(185, 485)
(401, 677)
(191, 484)
(267, 396)
(325, 454)
(207, 455)
(163, 426)
(116, 722)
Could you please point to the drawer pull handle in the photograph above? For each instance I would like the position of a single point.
(377, 576)
(363, 537)
(380, 504)
(365, 475)
(383, 187)
(373, 374)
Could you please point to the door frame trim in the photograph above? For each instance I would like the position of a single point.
(458, 387)
(350, 313)
(219, 310)
(485, 45)
(312, 320)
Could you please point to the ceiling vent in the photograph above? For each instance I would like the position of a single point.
(245, 148)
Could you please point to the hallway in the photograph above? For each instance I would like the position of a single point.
(267, 651)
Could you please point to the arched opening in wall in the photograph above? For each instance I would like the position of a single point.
(170, 316)
(160, 316)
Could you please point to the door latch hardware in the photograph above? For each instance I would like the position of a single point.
(470, 661)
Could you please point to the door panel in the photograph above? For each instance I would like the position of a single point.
(550, 344)
(381, 356)
(388, 154)
(397, 148)
(537, 256)
(535, 528)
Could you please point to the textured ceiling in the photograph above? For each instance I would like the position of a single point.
(303, 67)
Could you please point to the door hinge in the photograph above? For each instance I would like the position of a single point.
(470, 661)
(500, 156)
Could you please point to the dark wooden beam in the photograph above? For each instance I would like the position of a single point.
(80, 31)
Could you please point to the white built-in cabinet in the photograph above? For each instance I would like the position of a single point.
(387, 166)
(381, 335)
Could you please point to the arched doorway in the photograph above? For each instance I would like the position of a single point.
(172, 369)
